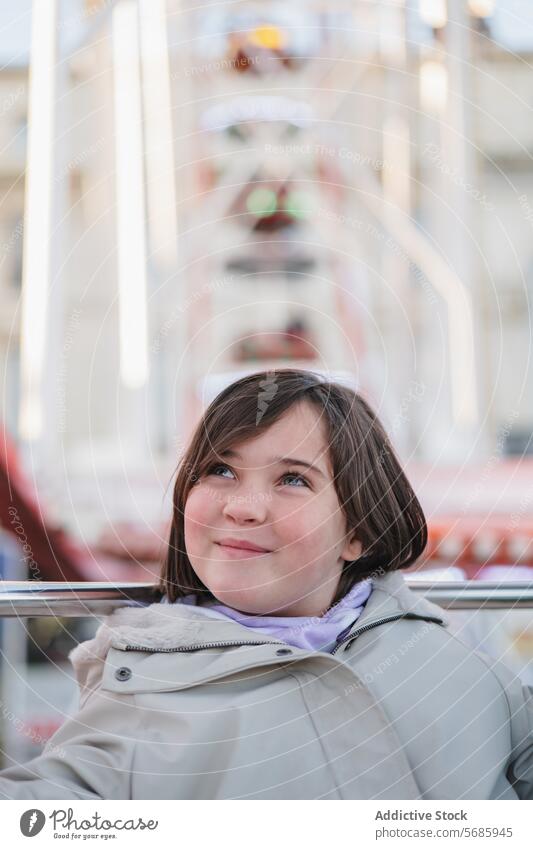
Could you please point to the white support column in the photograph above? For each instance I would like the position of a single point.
(162, 212)
(40, 299)
(451, 366)
(396, 182)
(180, 289)
(161, 190)
(131, 238)
(460, 236)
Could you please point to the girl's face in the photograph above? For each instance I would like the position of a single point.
(287, 509)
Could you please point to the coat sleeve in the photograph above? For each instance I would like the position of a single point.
(520, 772)
(89, 757)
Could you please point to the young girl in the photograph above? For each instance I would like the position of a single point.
(285, 658)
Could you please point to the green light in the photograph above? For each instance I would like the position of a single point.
(261, 202)
(298, 204)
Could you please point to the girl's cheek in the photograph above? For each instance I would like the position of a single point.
(198, 507)
(292, 530)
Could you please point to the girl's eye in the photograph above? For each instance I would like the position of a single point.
(295, 475)
(213, 469)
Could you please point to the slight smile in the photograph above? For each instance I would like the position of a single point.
(238, 551)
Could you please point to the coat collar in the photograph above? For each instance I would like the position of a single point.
(161, 627)
(391, 596)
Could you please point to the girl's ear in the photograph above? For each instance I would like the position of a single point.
(353, 549)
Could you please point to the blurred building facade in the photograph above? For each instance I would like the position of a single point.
(342, 186)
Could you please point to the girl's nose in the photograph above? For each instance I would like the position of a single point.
(251, 507)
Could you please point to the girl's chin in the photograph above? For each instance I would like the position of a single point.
(247, 599)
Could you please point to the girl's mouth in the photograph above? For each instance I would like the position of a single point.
(240, 553)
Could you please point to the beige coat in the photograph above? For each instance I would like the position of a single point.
(176, 705)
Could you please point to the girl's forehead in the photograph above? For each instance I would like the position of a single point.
(300, 425)
(301, 437)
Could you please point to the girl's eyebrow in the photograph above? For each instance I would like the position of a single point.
(288, 461)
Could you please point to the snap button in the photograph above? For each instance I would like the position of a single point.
(123, 674)
(284, 651)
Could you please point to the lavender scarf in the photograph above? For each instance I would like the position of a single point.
(318, 633)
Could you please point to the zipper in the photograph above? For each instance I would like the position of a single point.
(209, 645)
(384, 621)
(348, 639)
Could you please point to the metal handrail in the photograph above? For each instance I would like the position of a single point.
(70, 599)
(86, 598)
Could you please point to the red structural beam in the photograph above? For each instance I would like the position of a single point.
(48, 553)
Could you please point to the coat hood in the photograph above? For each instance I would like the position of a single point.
(161, 627)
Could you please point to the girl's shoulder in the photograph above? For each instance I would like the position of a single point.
(154, 626)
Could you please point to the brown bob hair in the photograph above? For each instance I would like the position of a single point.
(375, 496)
